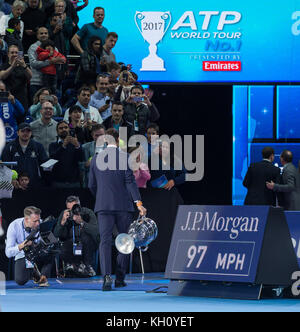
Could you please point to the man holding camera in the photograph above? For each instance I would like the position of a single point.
(68, 152)
(100, 99)
(17, 243)
(139, 110)
(77, 227)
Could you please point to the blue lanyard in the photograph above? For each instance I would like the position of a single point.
(73, 229)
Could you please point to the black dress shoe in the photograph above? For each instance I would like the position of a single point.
(120, 283)
(107, 282)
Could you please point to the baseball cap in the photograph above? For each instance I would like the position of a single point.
(24, 125)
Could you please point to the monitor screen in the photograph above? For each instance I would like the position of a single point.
(215, 41)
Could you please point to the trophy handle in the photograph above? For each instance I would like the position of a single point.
(140, 16)
(141, 219)
(165, 16)
(144, 249)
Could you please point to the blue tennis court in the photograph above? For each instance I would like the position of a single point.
(144, 293)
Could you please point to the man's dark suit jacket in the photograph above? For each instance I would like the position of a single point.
(115, 190)
(290, 187)
(255, 181)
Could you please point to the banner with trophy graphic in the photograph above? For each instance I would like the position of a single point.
(201, 42)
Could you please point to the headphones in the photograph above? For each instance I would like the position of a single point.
(28, 229)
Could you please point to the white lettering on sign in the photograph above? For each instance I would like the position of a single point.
(188, 20)
(226, 261)
(199, 221)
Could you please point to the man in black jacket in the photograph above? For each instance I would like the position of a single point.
(139, 110)
(257, 176)
(28, 153)
(116, 120)
(290, 184)
(68, 152)
(79, 233)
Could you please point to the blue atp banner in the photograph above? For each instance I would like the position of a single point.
(217, 243)
(214, 41)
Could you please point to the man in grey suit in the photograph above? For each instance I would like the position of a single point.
(290, 186)
(113, 184)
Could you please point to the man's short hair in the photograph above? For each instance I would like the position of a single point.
(83, 88)
(72, 198)
(38, 28)
(139, 87)
(101, 76)
(96, 127)
(287, 156)
(267, 152)
(60, 122)
(111, 34)
(23, 175)
(117, 102)
(97, 8)
(29, 210)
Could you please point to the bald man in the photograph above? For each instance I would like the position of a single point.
(290, 186)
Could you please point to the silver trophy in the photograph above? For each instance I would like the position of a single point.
(153, 26)
(140, 234)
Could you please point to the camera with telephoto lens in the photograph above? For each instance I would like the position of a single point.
(75, 211)
(44, 243)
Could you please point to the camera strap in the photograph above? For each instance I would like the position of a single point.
(28, 264)
(77, 246)
(74, 235)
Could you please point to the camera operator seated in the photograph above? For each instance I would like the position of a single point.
(77, 228)
(17, 233)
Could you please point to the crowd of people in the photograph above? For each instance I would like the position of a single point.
(54, 109)
(54, 113)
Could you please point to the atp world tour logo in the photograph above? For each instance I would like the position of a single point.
(153, 26)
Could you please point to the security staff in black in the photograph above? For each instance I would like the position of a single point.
(28, 153)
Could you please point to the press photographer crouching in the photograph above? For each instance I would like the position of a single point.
(23, 236)
(77, 228)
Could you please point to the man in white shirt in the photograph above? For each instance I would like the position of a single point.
(88, 112)
(17, 233)
(100, 99)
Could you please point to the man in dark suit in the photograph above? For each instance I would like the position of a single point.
(113, 184)
(290, 185)
(257, 176)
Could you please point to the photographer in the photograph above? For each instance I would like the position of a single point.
(67, 150)
(77, 227)
(17, 233)
(139, 110)
(100, 98)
